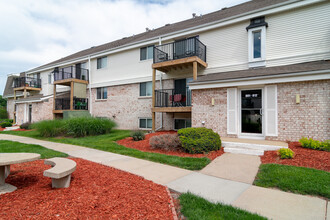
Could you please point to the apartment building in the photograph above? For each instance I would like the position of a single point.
(260, 69)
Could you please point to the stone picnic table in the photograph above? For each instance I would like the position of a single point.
(7, 159)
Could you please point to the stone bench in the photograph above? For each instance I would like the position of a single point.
(60, 172)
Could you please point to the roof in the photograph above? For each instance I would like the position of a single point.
(224, 13)
(266, 71)
(9, 89)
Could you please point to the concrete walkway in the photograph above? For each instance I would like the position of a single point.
(208, 184)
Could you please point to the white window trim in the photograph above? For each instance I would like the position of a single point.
(255, 62)
(101, 93)
(146, 96)
(106, 57)
(146, 118)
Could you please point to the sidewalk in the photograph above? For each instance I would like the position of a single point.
(273, 204)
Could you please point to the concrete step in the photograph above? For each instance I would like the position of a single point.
(251, 146)
(237, 150)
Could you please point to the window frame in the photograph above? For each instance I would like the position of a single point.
(146, 89)
(147, 47)
(102, 93)
(145, 118)
(260, 61)
(97, 63)
(185, 122)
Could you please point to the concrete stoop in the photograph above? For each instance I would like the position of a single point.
(248, 148)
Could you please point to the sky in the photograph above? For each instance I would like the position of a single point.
(36, 32)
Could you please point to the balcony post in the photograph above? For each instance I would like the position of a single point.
(24, 93)
(195, 70)
(153, 99)
(54, 94)
(14, 94)
(71, 97)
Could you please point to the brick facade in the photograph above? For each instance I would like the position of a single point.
(310, 118)
(125, 106)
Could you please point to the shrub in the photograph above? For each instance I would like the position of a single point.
(285, 153)
(315, 144)
(6, 120)
(3, 113)
(168, 142)
(199, 140)
(85, 126)
(26, 125)
(50, 128)
(6, 124)
(138, 135)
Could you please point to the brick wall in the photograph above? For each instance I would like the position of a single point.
(310, 118)
(125, 107)
(42, 110)
(10, 108)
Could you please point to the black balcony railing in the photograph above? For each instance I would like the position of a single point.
(173, 97)
(180, 49)
(27, 82)
(70, 72)
(64, 104)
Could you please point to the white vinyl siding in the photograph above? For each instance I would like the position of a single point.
(232, 111)
(271, 110)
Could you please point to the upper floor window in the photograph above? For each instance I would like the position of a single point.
(146, 89)
(257, 41)
(147, 53)
(102, 93)
(102, 62)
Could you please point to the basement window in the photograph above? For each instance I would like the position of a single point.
(182, 123)
(145, 123)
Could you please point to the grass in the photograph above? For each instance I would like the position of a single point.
(16, 147)
(194, 207)
(294, 179)
(107, 143)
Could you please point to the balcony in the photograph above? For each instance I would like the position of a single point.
(172, 100)
(64, 104)
(179, 54)
(27, 83)
(70, 74)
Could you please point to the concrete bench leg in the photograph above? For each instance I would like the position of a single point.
(63, 182)
(7, 171)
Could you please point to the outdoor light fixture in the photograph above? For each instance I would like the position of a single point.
(298, 99)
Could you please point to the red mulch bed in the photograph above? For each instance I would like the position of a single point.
(96, 192)
(145, 146)
(304, 157)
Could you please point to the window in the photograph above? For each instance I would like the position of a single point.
(257, 41)
(146, 89)
(145, 123)
(102, 62)
(102, 93)
(49, 78)
(147, 53)
(182, 123)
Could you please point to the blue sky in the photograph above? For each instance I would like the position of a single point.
(35, 32)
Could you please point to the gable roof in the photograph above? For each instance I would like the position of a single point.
(171, 28)
(265, 71)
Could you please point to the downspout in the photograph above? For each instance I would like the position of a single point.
(161, 87)
(90, 85)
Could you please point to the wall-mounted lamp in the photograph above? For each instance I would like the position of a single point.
(203, 123)
(298, 99)
(212, 101)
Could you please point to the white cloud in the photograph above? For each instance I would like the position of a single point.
(34, 32)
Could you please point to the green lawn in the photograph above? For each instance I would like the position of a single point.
(194, 207)
(16, 147)
(107, 143)
(294, 179)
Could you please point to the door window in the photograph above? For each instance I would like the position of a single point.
(251, 111)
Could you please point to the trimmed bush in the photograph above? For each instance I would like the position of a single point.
(6, 124)
(6, 120)
(168, 142)
(314, 144)
(285, 153)
(50, 128)
(199, 140)
(85, 126)
(138, 135)
(3, 113)
(26, 125)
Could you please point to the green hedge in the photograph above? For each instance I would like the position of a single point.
(314, 144)
(3, 113)
(77, 127)
(199, 140)
(5, 124)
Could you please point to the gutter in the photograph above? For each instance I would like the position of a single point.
(203, 27)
